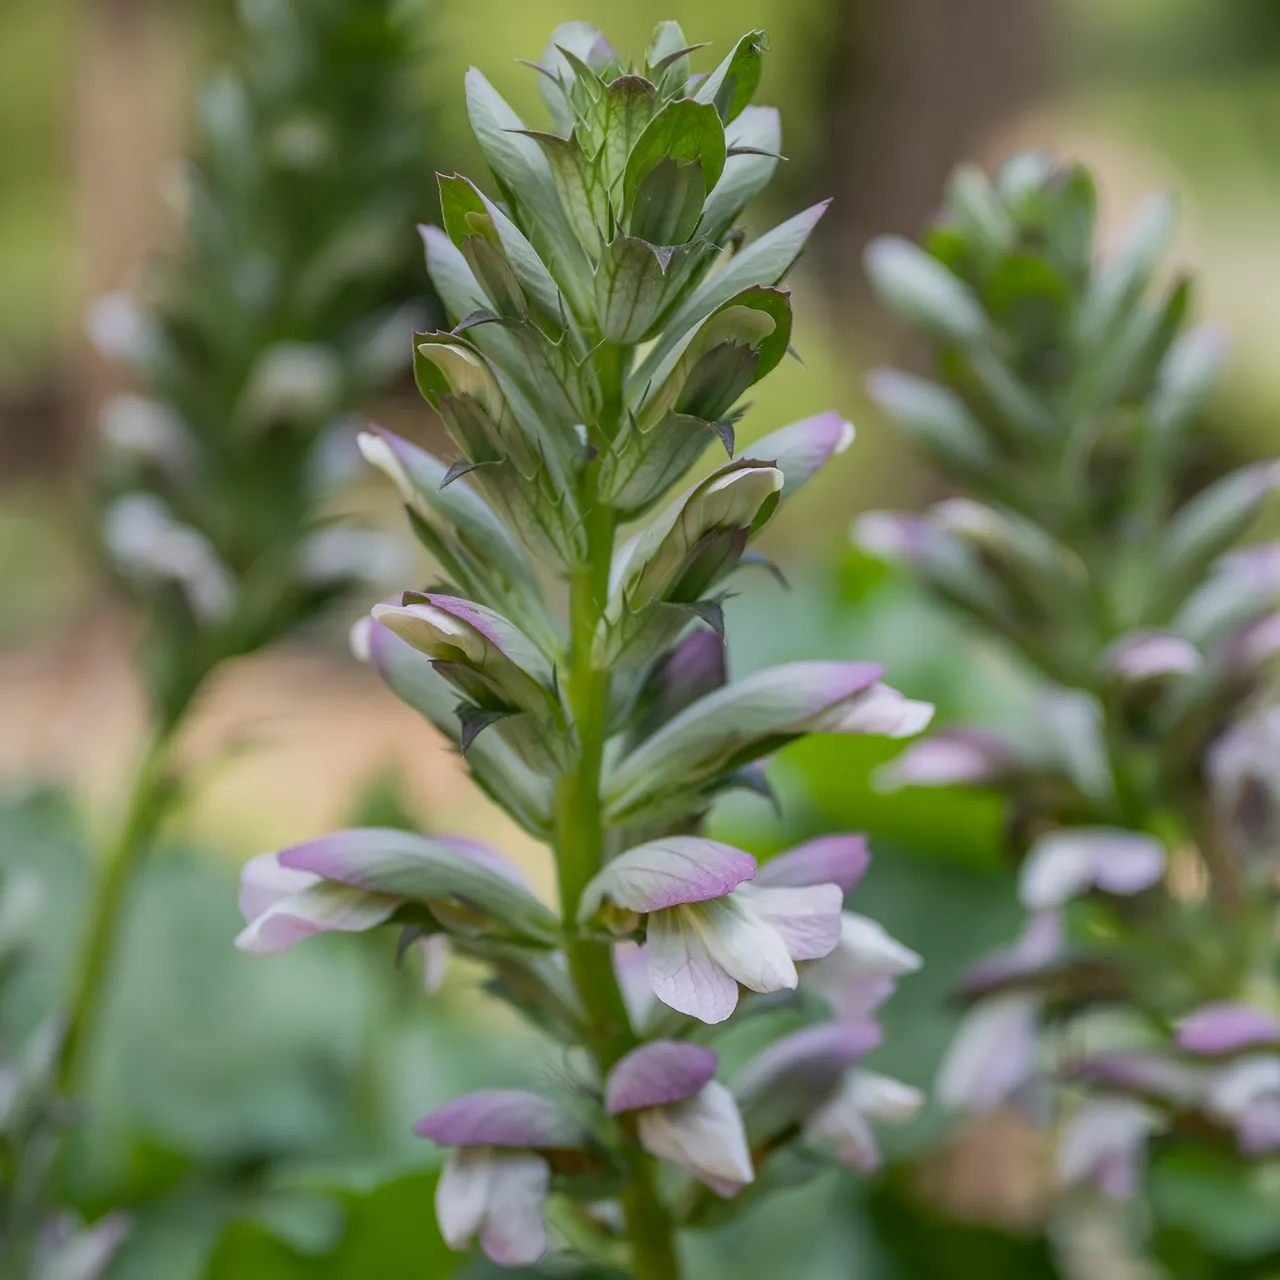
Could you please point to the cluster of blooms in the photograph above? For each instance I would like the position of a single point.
(607, 319)
(1142, 799)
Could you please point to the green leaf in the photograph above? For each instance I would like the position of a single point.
(918, 288)
(935, 417)
(765, 262)
(1031, 299)
(978, 211)
(732, 85)
(524, 171)
(1232, 1207)
(1185, 380)
(631, 285)
(664, 55)
(582, 184)
(681, 147)
(744, 176)
(625, 111)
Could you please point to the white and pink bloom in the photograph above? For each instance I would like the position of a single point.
(495, 1183)
(1105, 1143)
(860, 972)
(811, 1080)
(354, 880)
(848, 1119)
(1067, 863)
(681, 1113)
(994, 1051)
(707, 929)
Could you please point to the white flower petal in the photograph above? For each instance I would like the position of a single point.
(435, 950)
(1234, 1089)
(315, 909)
(993, 1053)
(515, 1226)
(864, 1098)
(859, 974)
(682, 972)
(703, 1135)
(264, 882)
(1105, 1141)
(807, 918)
(743, 945)
(462, 1194)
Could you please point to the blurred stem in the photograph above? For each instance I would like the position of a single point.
(580, 841)
(148, 801)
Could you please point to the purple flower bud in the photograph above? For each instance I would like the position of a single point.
(1227, 1027)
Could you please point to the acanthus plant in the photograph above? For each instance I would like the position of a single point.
(608, 315)
(1142, 801)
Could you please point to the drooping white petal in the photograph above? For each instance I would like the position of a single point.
(1105, 1142)
(264, 882)
(631, 967)
(859, 974)
(462, 1194)
(864, 1098)
(807, 918)
(316, 909)
(682, 972)
(515, 1226)
(1242, 1083)
(703, 1135)
(993, 1053)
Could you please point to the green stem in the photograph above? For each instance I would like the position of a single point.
(150, 796)
(580, 849)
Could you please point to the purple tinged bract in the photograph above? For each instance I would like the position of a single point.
(840, 860)
(657, 1073)
(1227, 1027)
(501, 1118)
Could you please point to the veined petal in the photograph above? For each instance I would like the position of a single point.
(318, 908)
(703, 1135)
(264, 882)
(682, 972)
(462, 1195)
(515, 1227)
(658, 1073)
(838, 860)
(993, 1053)
(742, 944)
(807, 917)
(501, 1118)
(1227, 1028)
(666, 873)
(1064, 864)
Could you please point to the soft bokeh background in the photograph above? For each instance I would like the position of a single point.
(255, 1113)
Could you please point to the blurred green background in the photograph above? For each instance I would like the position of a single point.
(254, 1115)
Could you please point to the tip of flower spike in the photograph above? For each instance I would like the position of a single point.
(659, 1073)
